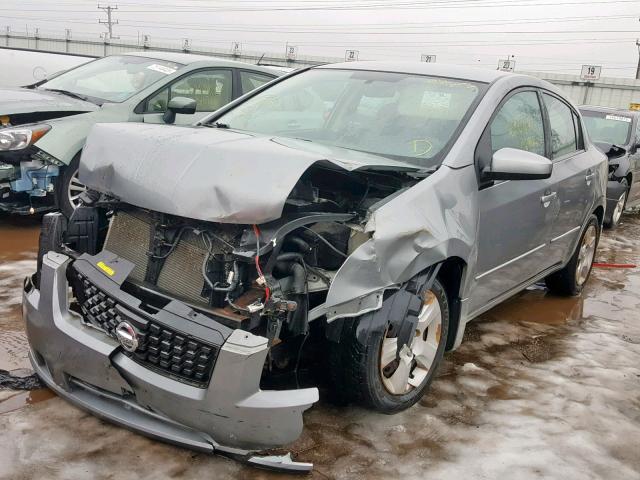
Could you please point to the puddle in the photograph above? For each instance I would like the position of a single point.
(22, 399)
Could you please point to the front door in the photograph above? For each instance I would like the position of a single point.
(514, 216)
(210, 88)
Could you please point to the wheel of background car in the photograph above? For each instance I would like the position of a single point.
(572, 278)
(69, 188)
(616, 215)
(371, 374)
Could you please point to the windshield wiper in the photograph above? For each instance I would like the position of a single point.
(67, 93)
(216, 125)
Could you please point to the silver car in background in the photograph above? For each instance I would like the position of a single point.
(352, 217)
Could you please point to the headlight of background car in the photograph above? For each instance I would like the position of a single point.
(21, 138)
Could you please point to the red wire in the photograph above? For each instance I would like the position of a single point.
(267, 291)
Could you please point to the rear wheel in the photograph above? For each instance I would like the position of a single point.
(571, 279)
(69, 188)
(372, 374)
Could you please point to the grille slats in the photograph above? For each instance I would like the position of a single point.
(162, 349)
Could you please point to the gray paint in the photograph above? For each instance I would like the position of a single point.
(507, 235)
(207, 174)
(232, 412)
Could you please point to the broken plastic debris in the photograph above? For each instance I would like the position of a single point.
(17, 382)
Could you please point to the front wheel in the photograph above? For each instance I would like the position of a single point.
(69, 188)
(372, 374)
(571, 279)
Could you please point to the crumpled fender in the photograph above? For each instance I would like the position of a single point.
(427, 224)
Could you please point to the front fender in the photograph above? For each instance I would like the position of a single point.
(434, 220)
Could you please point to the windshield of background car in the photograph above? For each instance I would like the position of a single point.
(606, 127)
(112, 79)
(406, 117)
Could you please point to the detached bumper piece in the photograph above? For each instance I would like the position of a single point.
(222, 411)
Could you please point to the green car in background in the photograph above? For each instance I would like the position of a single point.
(43, 127)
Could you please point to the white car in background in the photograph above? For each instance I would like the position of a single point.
(43, 127)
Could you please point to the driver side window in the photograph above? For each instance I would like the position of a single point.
(518, 124)
(211, 89)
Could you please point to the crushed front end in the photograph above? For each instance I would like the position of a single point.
(27, 173)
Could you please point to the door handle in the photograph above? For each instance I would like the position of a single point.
(546, 199)
(589, 177)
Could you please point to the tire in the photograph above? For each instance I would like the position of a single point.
(572, 278)
(356, 370)
(613, 220)
(68, 186)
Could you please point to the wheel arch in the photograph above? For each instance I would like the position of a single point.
(599, 212)
(450, 276)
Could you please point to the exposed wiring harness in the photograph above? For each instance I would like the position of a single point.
(267, 291)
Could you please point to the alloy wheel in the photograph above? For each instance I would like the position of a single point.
(76, 188)
(408, 371)
(586, 254)
(617, 211)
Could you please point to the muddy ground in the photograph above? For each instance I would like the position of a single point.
(542, 387)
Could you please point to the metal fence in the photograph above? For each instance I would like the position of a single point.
(610, 92)
(99, 47)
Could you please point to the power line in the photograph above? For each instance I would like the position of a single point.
(109, 22)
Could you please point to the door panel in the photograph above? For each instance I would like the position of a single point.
(634, 165)
(514, 226)
(514, 216)
(573, 178)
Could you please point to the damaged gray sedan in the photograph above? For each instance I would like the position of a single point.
(345, 220)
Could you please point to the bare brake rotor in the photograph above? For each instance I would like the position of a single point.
(408, 371)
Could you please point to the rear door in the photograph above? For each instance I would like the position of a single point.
(574, 175)
(634, 161)
(514, 221)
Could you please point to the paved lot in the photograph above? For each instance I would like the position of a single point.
(542, 387)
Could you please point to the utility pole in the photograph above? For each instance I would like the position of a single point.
(638, 68)
(109, 22)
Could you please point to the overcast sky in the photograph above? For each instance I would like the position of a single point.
(543, 35)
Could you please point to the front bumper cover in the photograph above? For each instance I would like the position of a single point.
(230, 416)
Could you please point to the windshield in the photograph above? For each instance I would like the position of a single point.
(407, 117)
(112, 79)
(607, 128)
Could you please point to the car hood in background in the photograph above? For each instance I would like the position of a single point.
(24, 100)
(208, 174)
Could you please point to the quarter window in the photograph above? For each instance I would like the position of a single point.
(518, 124)
(563, 133)
(211, 89)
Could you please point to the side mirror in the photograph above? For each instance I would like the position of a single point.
(515, 164)
(177, 105)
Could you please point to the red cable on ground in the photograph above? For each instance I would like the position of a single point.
(613, 265)
(267, 291)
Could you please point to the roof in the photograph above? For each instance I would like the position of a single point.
(424, 68)
(189, 58)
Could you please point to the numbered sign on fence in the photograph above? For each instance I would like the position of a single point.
(506, 65)
(351, 55)
(590, 72)
(428, 58)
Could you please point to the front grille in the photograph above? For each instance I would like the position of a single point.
(162, 349)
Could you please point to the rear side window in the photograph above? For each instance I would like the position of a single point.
(518, 124)
(252, 80)
(563, 132)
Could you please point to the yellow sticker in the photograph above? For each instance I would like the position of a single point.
(106, 269)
